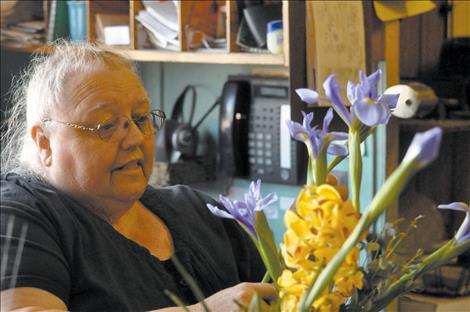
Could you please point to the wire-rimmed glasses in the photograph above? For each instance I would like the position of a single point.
(116, 128)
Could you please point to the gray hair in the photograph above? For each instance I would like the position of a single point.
(39, 89)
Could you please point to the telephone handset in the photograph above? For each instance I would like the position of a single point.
(233, 136)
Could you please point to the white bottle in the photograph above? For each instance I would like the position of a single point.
(274, 36)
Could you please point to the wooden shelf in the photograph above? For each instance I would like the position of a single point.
(447, 125)
(22, 48)
(204, 57)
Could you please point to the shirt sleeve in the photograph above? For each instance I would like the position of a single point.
(32, 253)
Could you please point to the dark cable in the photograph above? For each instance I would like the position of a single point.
(217, 102)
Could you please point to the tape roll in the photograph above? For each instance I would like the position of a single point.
(416, 100)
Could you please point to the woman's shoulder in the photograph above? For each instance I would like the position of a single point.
(25, 194)
(24, 187)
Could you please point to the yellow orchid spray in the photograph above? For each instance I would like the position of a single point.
(324, 219)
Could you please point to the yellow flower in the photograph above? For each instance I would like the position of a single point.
(315, 232)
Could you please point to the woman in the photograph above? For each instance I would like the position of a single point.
(98, 237)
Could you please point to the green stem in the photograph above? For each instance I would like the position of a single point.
(320, 168)
(440, 257)
(355, 166)
(335, 162)
(384, 197)
(266, 277)
(311, 163)
(310, 179)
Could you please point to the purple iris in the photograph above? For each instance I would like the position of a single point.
(308, 95)
(367, 106)
(318, 137)
(463, 233)
(244, 211)
(424, 147)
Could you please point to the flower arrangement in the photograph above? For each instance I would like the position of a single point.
(317, 265)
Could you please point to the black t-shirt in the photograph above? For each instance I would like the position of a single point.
(76, 255)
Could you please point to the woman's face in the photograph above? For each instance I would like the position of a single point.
(108, 175)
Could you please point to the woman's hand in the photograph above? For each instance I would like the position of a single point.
(225, 300)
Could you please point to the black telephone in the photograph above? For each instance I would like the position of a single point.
(254, 140)
(233, 128)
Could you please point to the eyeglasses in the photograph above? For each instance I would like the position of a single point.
(116, 128)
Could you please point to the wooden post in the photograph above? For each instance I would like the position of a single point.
(392, 52)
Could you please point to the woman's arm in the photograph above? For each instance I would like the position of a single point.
(30, 299)
(36, 299)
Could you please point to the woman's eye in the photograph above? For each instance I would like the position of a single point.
(141, 119)
(107, 125)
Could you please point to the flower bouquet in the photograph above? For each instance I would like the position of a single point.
(317, 267)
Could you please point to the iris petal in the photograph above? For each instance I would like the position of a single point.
(307, 95)
(351, 92)
(372, 81)
(297, 131)
(219, 212)
(265, 202)
(424, 147)
(332, 92)
(368, 114)
(338, 150)
(337, 135)
(463, 233)
(460, 206)
(327, 119)
(390, 100)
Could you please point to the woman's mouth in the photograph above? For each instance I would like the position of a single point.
(131, 166)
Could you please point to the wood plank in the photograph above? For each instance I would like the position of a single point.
(90, 20)
(134, 8)
(410, 47)
(460, 21)
(286, 33)
(184, 9)
(231, 26)
(204, 57)
(392, 52)
(447, 125)
(340, 41)
(433, 34)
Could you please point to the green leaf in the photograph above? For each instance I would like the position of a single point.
(255, 304)
(267, 246)
(176, 300)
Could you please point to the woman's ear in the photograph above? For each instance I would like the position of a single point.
(41, 138)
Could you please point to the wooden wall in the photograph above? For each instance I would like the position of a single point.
(421, 38)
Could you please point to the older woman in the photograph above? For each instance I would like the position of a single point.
(76, 207)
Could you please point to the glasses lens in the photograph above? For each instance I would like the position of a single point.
(107, 129)
(116, 128)
(144, 123)
(158, 117)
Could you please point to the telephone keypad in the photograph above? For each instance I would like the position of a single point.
(272, 155)
(263, 141)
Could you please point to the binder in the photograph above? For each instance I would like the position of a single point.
(58, 20)
(257, 19)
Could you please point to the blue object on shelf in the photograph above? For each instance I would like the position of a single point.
(77, 20)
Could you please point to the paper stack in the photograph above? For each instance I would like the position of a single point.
(160, 20)
(113, 29)
(24, 33)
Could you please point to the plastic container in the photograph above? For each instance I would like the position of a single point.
(274, 37)
(77, 20)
